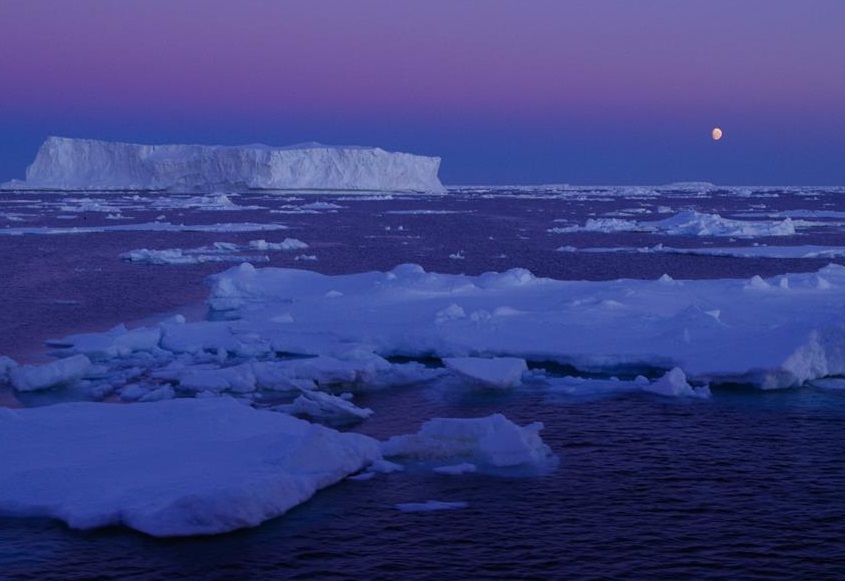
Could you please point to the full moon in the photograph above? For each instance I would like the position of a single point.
(717, 134)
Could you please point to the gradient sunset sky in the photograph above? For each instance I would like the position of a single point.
(505, 91)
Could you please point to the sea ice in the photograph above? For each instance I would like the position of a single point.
(286, 244)
(172, 468)
(216, 252)
(430, 506)
(277, 329)
(496, 372)
(48, 375)
(326, 407)
(493, 441)
(594, 326)
(213, 202)
(758, 251)
(455, 469)
(674, 384)
(688, 223)
(177, 256)
(147, 227)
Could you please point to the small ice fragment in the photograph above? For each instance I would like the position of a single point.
(455, 469)
(429, 506)
(674, 384)
(385, 466)
(53, 374)
(497, 372)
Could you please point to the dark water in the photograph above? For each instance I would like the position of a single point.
(745, 485)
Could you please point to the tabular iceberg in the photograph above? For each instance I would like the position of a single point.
(86, 164)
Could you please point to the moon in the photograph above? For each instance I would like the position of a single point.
(716, 133)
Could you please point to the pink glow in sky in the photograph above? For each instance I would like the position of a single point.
(551, 78)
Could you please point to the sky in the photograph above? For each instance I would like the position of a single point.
(504, 91)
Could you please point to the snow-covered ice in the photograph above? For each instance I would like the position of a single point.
(49, 375)
(147, 227)
(493, 442)
(456, 469)
(687, 223)
(296, 342)
(773, 333)
(496, 372)
(86, 164)
(184, 467)
(758, 251)
(326, 407)
(216, 252)
(714, 330)
(171, 468)
(286, 244)
(674, 384)
(189, 256)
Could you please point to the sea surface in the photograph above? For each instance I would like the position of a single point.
(745, 485)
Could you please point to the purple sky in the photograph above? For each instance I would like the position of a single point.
(505, 91)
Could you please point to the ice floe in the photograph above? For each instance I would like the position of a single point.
(147, 227)
(674, 384)
(687, 223)
(493, 442)
(757, 251)
(325, 407)
(49, 375)
(216, 252)
(776, 332)
(171, 468)
(430, 506)
(495, 372)
(186, 467)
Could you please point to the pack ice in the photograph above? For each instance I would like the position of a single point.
(338, 331)
(772, 333)
(277, 333)
(86, 164)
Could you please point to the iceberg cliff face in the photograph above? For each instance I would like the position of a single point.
(85, 164)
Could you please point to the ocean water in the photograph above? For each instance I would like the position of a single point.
(747, 484)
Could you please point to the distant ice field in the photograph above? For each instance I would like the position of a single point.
(64, 271)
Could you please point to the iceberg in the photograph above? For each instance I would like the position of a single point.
(86, 164)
